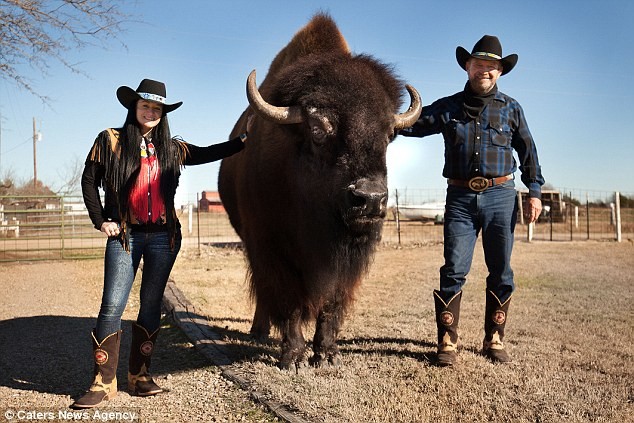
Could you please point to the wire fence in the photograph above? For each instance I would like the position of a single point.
(54, 227)
(568, 215)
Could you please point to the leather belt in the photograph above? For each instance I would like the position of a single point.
(479, 183)
(148, 227)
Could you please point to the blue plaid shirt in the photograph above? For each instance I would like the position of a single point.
(484, 146)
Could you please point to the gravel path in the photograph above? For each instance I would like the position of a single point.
(47, 312)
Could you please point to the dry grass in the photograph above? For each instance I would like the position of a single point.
(570, 332)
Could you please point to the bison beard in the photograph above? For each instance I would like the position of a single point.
(308, 193)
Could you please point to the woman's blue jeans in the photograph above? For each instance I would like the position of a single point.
(119, 271)
(467, 213)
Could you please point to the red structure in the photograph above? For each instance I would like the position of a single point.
(210, 202)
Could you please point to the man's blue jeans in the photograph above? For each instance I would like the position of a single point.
(119, 271)
(467, 213)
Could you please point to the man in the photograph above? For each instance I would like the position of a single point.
(481, 127)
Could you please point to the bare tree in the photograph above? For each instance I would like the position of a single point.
(71, 178)
(32, 32)
(7, 181)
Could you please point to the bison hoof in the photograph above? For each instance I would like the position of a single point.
(260, 337)
(260, 332)
(329, 360)
(293, 366)
(293, 360)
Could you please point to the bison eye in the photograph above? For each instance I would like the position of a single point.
(318, 134)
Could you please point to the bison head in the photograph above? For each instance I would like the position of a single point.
(339, 113)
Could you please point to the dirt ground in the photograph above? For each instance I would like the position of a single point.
(46, 314)
(570, 332)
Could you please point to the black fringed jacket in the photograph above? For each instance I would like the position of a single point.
(98, 172)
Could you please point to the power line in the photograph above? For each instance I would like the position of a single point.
(29, 139)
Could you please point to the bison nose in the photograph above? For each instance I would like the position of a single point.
(368, 197)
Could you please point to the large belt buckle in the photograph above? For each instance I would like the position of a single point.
(478, 184)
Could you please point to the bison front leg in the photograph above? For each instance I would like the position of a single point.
(293, 343)
(325, 340)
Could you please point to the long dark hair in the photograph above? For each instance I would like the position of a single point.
(128, 164)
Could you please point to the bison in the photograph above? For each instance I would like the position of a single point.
(308, 194)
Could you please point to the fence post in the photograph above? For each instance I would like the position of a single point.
(520, 206)
(529, 232)
(550, 219)
(63, 235)
(617, 204)
(190, 217)
(198, 220)
(398, 220)
(570, 214)
(588, 214)
(530, 226)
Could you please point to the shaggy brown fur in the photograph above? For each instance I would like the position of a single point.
(308, 199)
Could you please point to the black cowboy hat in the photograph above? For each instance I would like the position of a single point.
(148, 90)
(488, 48)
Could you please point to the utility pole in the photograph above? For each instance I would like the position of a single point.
(1, 146)
(34, 156)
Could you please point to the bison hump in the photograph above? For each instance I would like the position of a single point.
(320, 35)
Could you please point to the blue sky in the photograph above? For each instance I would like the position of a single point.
(573, 79)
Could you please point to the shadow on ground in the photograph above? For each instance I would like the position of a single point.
(53, 354)
(224, 346)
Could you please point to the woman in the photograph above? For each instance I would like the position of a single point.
(138, 166)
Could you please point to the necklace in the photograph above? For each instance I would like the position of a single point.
(147, 150)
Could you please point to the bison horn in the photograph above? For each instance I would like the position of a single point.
(407, 119)
(282, 115)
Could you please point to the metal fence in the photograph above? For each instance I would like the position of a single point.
(46, 227)
(568, 215)
(53, 228)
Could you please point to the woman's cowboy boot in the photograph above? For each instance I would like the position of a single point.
(139, 379)
(494, 322)
(104, 387)
(447, 316)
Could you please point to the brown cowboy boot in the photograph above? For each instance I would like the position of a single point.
(447, 316)
(494, 322)
(104, 387)
(140, 381)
